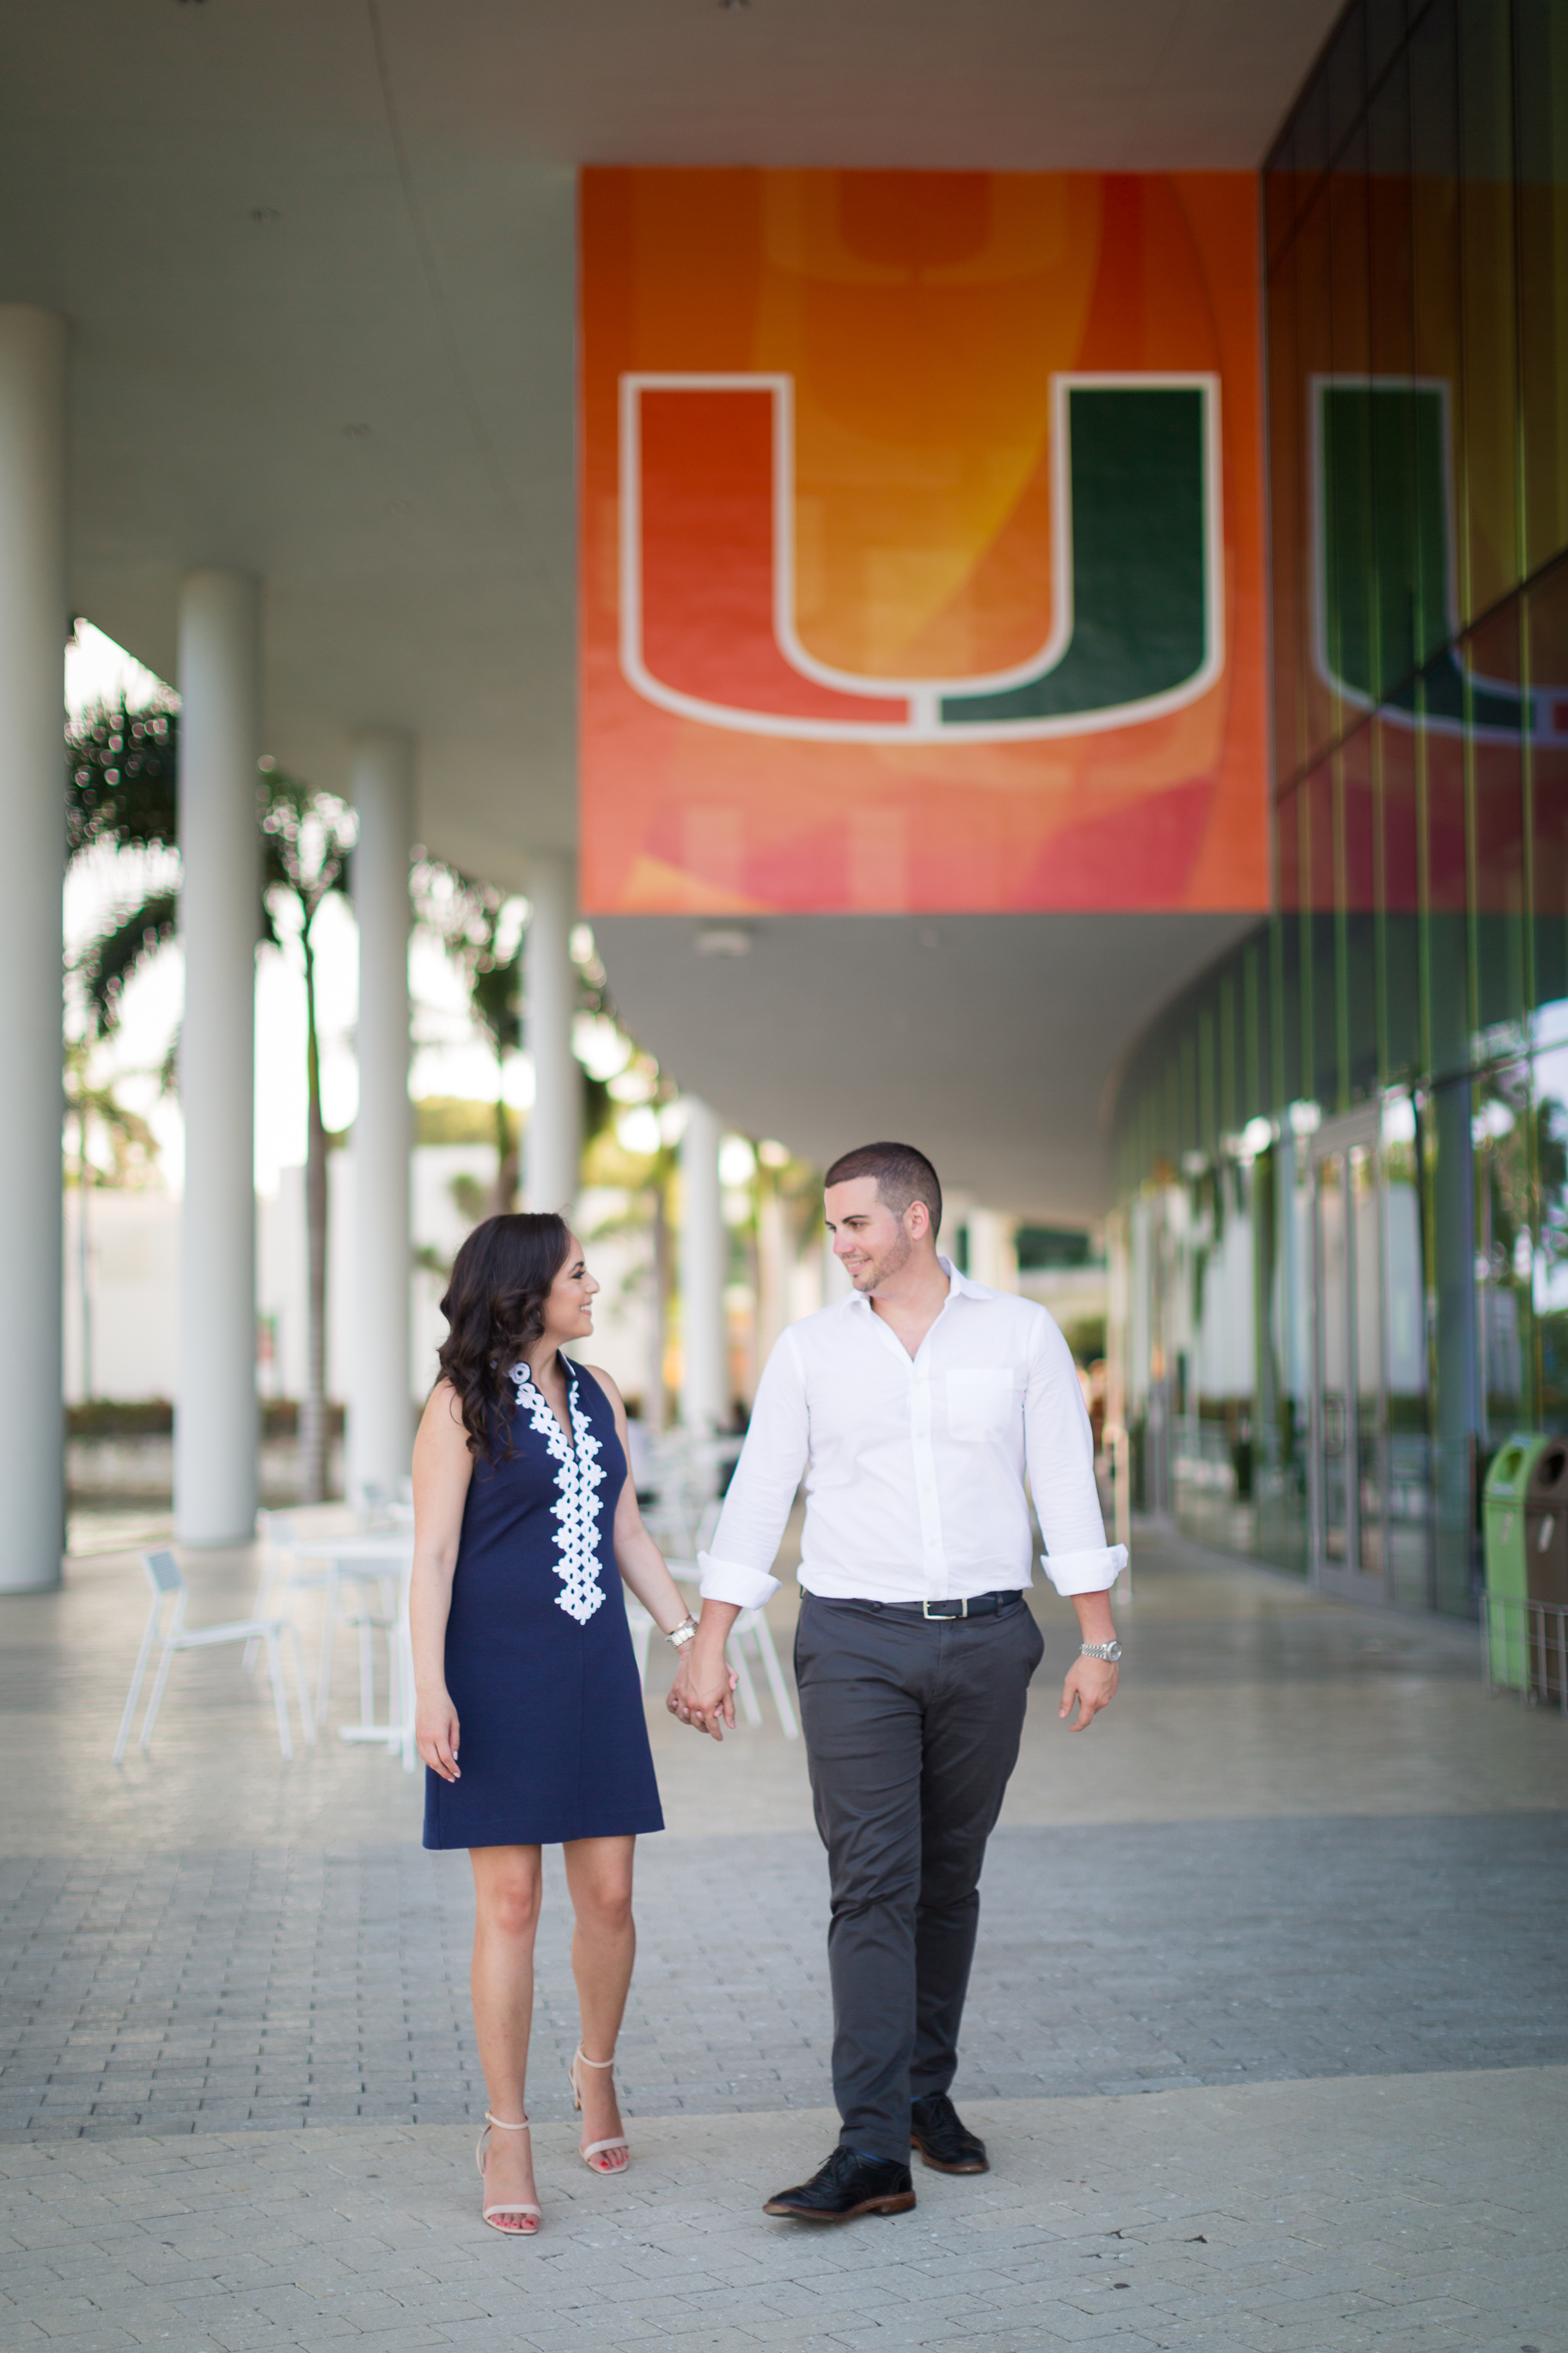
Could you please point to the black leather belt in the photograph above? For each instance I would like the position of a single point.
(977, 1605)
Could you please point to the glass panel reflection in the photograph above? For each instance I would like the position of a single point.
(1365, 1273)
(1333, 1359)
(1505, 1154)
(1409, 1268)
(1406, 1404)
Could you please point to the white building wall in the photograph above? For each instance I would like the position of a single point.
(133, 1281)
(134, 1245)
(133, 1240)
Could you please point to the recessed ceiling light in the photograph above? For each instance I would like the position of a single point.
(723, 940)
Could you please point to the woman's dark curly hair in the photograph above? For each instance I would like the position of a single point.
(494, 1309)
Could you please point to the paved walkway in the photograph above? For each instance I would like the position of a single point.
(1395, 2212)
(203, 1992)
(1306, 1885)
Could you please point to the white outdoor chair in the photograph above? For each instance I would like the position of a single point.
(165, 1577)
(750, 1629)
(376, 1510)
(282, 1574)
(642, 1632)
(682, 1479)
(371, 1611)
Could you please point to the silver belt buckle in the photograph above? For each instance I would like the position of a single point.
(944, 1610)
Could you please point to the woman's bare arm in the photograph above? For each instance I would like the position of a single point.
(442, 1469)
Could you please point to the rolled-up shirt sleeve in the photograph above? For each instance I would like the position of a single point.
(1060, 1450)
(751, 1527)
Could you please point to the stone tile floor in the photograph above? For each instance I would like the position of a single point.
(1401, 2213)
(203, 1992)
(1304, 1887)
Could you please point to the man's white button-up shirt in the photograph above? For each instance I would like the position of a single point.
(915, 1466)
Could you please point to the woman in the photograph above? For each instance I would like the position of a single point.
(523, 1665)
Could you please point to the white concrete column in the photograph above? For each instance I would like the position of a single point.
(381, 1428)
(552, 1147)
(34, 620)
(993, 1251)
(705, 1380)
(220, 741)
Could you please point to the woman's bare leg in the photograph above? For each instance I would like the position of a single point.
(604, 1947)
(507, 1883)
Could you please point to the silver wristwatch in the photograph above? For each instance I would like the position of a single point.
(1111, 1651)
(681, 1635)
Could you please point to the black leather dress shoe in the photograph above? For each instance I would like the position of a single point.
(847, 2185)
(946, 2145)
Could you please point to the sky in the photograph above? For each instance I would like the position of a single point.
(448, 1059)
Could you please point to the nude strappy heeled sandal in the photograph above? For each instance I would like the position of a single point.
(595, 2148)
(486, 2213)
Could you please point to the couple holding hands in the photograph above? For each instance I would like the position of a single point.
(915, 1407)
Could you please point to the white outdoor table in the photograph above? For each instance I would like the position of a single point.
(392, 1553)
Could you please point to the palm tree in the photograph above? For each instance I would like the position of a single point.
(119, 779)
(479, 926)
(119, 793)
(306, 838)
(122, 793)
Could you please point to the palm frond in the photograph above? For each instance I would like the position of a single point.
(117, 955)
(306, 840)
(121, 767)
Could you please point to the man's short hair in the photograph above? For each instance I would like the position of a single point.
(902, 1175)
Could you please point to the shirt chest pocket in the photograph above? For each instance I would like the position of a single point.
(981, 1401)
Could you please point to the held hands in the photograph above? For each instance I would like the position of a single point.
(703, 1691)
(1092, 1682)
(436, 1733)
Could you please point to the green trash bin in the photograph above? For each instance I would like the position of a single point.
(1526, 1545)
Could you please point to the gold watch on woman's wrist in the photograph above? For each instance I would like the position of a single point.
(679, 1635)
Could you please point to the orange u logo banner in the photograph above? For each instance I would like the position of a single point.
(922, 561)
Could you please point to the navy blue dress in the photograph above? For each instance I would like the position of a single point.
(553, 1742)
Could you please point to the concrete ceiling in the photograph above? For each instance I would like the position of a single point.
(972, 1036)
(318, 256)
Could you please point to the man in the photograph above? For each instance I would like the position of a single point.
(915, 1408)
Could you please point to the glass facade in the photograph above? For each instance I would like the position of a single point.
(1342, 1157)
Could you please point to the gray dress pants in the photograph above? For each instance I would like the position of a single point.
(911, 1730)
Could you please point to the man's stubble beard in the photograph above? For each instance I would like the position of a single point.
(892, 1262)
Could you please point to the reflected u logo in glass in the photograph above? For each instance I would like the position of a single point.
(708, 603)
(1387, 610)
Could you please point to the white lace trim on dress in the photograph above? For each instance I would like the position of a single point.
(578, 1478)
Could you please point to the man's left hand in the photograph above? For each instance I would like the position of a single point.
(1092, 1682)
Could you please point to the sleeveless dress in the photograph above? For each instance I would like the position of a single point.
(553, 1742)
